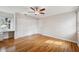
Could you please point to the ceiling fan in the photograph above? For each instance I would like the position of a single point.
(37, 10)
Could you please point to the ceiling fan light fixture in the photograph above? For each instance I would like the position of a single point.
(37, 13)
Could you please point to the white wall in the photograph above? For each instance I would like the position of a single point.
(78, 26)
(78, 22)
(62, 26)
(25, 25)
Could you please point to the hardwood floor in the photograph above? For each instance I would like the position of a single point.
(38, 43)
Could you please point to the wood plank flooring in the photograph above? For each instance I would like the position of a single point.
(37, 43)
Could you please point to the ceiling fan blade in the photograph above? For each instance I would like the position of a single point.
(42, 13)
(32, 8)
(42, 9)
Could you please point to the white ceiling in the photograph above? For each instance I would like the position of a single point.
(50, 10)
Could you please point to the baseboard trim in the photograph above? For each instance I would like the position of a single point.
(59, 38)
(47, 36)
(26, 36)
